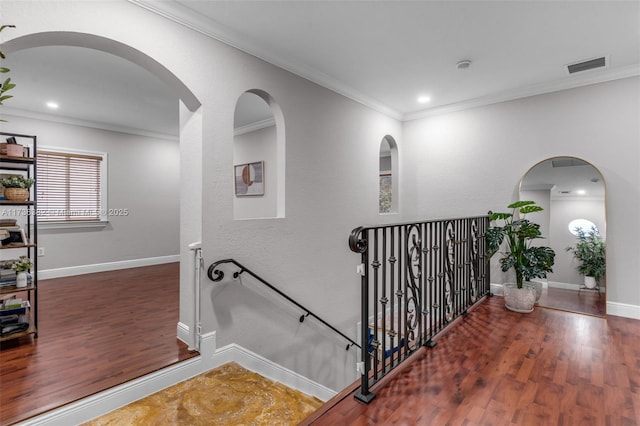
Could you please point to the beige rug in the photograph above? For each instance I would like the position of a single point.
(227, 395)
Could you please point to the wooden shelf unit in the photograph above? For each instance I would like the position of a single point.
(25, 166)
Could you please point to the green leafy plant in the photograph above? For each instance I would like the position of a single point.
(17, 181)
(22, 265)
(528, 261)
(6, 84)
(590, 250)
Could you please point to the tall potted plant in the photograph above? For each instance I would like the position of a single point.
(526, 260)
(590, 250)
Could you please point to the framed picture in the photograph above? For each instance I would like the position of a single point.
(249, 179)
(12, 236)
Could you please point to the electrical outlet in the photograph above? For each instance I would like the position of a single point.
(40, 251)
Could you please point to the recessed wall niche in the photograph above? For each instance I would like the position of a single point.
(388, 176)
(258, 157)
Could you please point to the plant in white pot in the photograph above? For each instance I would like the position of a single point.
(590, 251)
(527, 261)
(22, 267)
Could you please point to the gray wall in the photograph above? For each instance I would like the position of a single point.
(259, 145)
(143, 177)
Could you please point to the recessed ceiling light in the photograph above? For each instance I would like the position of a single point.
(424, 99)
(581, 192)
(52, 105)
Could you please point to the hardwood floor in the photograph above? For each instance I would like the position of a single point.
(95, 331)
(496, 367)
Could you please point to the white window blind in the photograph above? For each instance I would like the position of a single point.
(69, 186)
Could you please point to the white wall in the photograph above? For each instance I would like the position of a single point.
(259, 145)
(459, 164)
(143, 177)
(472, 161)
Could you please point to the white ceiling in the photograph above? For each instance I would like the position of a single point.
(381, 53)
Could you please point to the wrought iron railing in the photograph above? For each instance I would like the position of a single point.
(416, 279)
(216, 274)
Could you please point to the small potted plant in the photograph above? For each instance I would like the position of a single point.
(22, 266)
(527, 261)
(590, 251)
(16, 187)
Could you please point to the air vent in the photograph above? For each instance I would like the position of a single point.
(587, 65)
(567, 162)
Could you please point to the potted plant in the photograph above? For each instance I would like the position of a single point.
(6, 85)
(16, 187)
(22, 266)
(590, 250)
(527, 261)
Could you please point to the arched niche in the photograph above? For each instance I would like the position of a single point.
(388, 176)
(568, 188)
(258, 157)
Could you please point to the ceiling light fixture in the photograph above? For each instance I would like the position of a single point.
(52, 105)
(581, 192)
(424, 99)
(464, 64)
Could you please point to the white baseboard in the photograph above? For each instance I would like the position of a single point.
(623, 310)
(184, 334)
(266, 368)
(101, 267)
(111, 399)
(566, 286)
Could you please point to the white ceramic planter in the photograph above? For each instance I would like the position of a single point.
(519, 299)
(21, 279)
(590, 282)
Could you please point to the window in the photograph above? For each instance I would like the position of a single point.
(71, 186)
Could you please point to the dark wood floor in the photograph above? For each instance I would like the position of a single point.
(496, 367)
(95, 331)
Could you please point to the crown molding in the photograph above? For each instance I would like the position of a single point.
(572, 82)
(210, 28)
(86, 123)
(252, 127)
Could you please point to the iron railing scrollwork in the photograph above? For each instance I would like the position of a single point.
(416, 279)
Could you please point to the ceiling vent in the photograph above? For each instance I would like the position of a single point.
(567, 162)
(587, 65)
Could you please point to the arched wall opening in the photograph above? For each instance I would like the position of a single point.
(388, 176)
(258, 157)
(190, 148)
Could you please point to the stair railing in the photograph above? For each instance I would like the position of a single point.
(416, 279)
(215, 274)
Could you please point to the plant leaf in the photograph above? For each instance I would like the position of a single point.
(530, 209)
(519, 204)
(500, 216)
(3, 69)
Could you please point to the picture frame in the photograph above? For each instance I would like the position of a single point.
(13, 236)
(249, 179)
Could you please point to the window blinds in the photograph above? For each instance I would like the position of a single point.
(68, 186)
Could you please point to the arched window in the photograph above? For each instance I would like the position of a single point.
(388, 172)
(258, 157)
